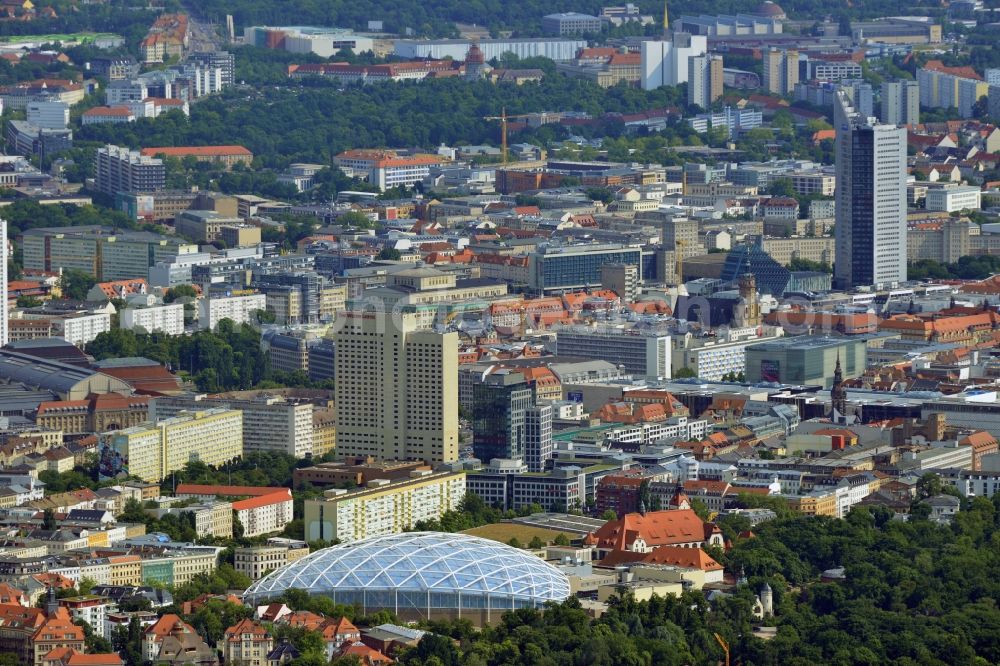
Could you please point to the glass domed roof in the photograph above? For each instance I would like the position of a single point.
(449, 566)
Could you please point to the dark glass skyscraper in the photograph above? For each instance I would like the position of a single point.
(871, 200)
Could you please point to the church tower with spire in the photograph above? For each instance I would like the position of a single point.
(747, 313)
(838, 395)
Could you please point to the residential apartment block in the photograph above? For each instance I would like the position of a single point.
(238, 307)
(119, 169)
(382, 506)
(152, 451)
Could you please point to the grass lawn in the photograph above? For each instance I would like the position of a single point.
(504, 532)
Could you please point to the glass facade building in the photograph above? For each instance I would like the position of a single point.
(564, 268)
(772, 278)
(498, 415)
(422, 575)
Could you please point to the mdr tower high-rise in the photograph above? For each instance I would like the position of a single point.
(871, 200)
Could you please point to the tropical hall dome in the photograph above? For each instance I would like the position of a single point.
(422, 575)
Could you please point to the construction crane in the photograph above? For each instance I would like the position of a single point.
(680, 260)
(503, 118)
(725, 646)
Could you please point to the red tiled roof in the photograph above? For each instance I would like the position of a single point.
(277, 497)
(657, 528)
(105, 111)
(688, 558)
(965, 72)
(197, 151)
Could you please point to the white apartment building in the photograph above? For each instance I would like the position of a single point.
(119, 169)
(900, 103)
(239, 308)
(90, 609)
(81, 329)
(265, 514)
(383, 507)
(954, 198)
(167, 319)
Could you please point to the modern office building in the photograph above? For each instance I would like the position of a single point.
(781, 70)
(47, 114)
(104, 252)
(642, 352)
(705, 77)
(733, 119)
(570, 23)
(751, 258)
(871, 200)
(805, 360)
(500, 401)
(713, 359)
(538, 446)
(954, 198)
(24, 138)
(301, 297)
(900, 103)
(397, 388)
(119, 169)
(559, 268)
(153, 450)
(270, 422)
(221, 60)
(665, 62)
(383, 506)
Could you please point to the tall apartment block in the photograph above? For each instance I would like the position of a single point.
(704, 80)
(781, 71)
(119, 169)
(397, 388)
(900, 103)
(871, 200)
